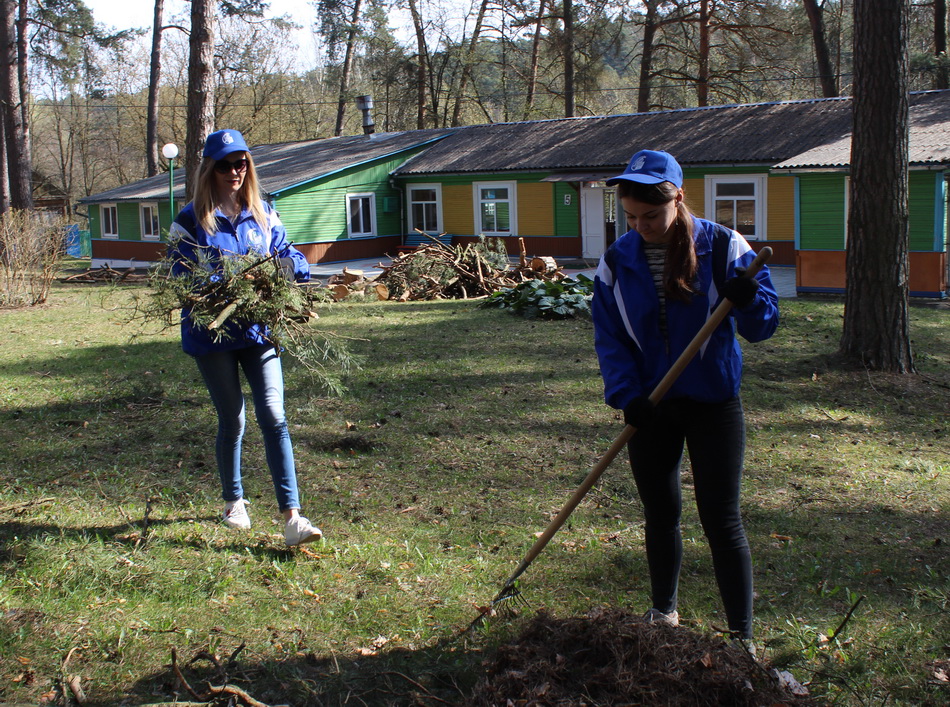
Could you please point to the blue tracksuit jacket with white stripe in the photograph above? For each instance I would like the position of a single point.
(187, 238)
(626, 308)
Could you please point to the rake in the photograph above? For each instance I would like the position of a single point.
(509, 590)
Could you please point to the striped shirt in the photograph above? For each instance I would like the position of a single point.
(656, 259)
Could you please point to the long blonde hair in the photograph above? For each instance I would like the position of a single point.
(205, 200)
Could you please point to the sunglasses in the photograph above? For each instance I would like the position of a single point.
(226, 166)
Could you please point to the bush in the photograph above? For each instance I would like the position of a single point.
(31, 247)
(546, 299)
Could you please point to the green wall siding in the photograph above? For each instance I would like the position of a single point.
(922, 191)
(821, 211)
(567, 218)
(316, 212)
(823, 218)
(130, 220)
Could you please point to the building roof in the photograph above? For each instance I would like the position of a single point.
(929, 139)
(783, 135)
(289, 164)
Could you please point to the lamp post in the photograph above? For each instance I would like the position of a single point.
(170, 152)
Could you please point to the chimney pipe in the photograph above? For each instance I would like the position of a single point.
(365, 104)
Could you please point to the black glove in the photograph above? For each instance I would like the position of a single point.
(740, 290)
(640, 413)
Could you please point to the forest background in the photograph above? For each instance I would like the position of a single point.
(489, 61)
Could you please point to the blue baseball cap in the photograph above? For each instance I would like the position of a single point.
(224, 142)
(651, 167)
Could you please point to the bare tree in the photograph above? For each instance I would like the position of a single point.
(826, 74)
(200, 120)
(942, 79)
(468, 61)
(154, 78)
(19, 167)
(422, 68)
(876, 324)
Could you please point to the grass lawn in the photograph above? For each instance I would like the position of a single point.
(459, 438)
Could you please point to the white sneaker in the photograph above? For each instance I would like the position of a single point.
(661, 617)
(299, 530)
(235, 514)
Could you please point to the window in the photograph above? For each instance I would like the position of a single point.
(361, 218)
(495, 209)
(110, 220)
(739, 203)
(150, 225)
(425, 207)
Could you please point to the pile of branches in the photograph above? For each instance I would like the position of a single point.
(108, 274)
(435, 270)
(224, 297)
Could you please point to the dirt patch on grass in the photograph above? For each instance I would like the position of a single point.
(611, 657)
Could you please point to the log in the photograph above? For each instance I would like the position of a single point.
(351, 276)
(544, 264)
(524, 253)
(339, 292)
(382, 292)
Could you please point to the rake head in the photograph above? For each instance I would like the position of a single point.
(499, 605)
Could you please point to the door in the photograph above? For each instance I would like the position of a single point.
(597, 219)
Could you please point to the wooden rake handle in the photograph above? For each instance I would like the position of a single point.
(662, 388)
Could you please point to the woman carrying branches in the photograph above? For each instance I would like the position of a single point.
(228, 219)
(654, 289)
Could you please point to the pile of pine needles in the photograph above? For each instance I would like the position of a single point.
(225, 296)
(611, 657)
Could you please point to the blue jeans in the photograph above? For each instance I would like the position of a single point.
(262, 368)
(715, 436)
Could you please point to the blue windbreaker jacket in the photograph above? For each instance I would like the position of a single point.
(187, 238)
(630, 347)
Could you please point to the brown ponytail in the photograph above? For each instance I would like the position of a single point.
(680, 269)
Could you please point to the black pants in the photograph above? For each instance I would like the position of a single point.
(714, 433)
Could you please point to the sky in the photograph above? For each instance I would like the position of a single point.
(128, 14)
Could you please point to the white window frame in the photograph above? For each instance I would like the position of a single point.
(102, 220)
(438, 204)
(143, 208)
(512, 200)
(372, 215)
(760, 183)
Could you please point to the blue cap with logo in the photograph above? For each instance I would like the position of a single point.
(224, 142)
(651, 167)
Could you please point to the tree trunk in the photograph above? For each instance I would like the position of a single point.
(347, 68)
(19, 168)
(421, 76)
(942, 79)
(646, 57)
(4, 174)
(23, 62)
(154, 76)
(535, 60)
(467, 59)
(200, 120)
(702, 74)
(829, 82)
(876, 325)
(569, 97)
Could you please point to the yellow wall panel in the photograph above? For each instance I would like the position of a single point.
(695, 190)
(781, 209)
(535, 209)
(457, 209)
